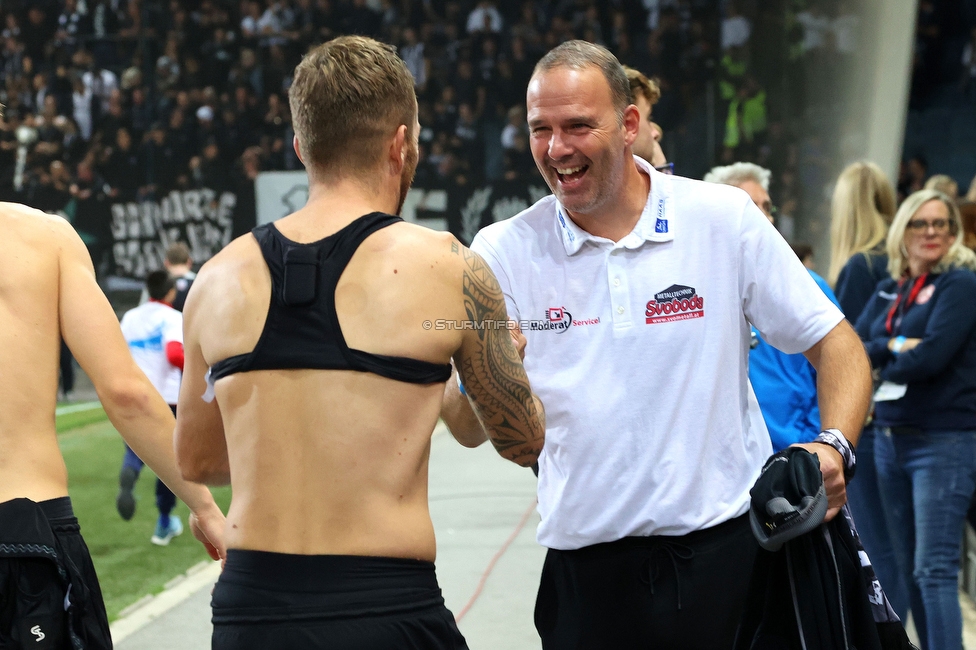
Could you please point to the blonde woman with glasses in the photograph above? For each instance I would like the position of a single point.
(919, 329)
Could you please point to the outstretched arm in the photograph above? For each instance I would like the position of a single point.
(492, 372)
(91, 330)
(456, 410)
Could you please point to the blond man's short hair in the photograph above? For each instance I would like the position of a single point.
(348, 96)
(641, 85)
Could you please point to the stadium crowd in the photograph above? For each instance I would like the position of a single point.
(124, 100)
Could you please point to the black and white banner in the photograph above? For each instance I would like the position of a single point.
(463, 210)
(142, 232)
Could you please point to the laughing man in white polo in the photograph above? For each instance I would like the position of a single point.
(635, 291)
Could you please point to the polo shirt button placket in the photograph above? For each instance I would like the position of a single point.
(619, 297)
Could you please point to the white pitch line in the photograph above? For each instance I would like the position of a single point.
(196, 579)
(76, 408)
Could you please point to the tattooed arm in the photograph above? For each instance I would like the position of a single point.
(500, 403)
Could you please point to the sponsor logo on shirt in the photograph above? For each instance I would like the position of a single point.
(925, 294)
(675, 303)
(661, 225)
(562, 222)
(558, 319)
(154, 341)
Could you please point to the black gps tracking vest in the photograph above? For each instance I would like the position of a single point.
(302, 328)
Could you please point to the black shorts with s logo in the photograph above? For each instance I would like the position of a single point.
(49, 594)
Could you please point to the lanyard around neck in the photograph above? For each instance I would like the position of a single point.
(891, 324)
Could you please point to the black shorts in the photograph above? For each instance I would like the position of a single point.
(682, 592)
(49, 593)
(272, 601)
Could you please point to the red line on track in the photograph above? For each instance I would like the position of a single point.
(494, 560)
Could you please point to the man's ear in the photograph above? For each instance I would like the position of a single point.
(398, 149)
(298, 151)
(631, 124)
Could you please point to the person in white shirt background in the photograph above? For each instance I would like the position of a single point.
(154, 333)
(635, 291)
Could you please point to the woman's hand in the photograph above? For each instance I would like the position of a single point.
(909, 344)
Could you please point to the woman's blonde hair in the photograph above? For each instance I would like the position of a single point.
(957, 255)
(860, 211)
(944, 184)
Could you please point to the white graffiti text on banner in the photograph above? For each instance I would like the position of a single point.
(143, 231)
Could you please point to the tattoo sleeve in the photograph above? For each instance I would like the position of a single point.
(492, 371)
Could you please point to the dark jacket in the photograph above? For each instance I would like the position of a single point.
(857, 281)
(941, 371)
(820, 590)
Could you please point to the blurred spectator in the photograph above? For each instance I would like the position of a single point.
(118, 168)
(967, 213)
(944, 184)
(644, 94)
(863, 205)
(208, 170)
(749, 177)
(919, 329)
(736, 28)
(159, 163)
(98, 80)
(519, 164)
(412, 53)
(516, 126)
(113, 119)
(912, 176)
(485, 17)
(81, 98)
(968, 81)
(805, 253)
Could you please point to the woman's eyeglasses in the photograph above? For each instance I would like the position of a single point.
(921, 225)
(667, 168)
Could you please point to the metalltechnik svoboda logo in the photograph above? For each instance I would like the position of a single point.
(675, 303)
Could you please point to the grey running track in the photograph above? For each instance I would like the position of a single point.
(488, 562)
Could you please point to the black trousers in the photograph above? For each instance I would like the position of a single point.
(275, 601)
(49, 601)
(676, 593)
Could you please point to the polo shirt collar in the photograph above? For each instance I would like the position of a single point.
(656, 223)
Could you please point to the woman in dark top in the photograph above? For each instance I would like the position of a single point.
(862, 207)
(919, 329)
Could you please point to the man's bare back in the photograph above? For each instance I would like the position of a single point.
(330, 461)
(48, 291)
(30, 284)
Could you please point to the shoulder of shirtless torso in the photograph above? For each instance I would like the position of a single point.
(32, 241)
(29, 226)
(400, 276)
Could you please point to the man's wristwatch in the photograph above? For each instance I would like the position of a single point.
(836, 439)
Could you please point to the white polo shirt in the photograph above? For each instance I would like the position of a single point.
(639, 350)
(147, 329)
